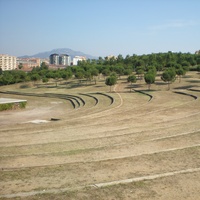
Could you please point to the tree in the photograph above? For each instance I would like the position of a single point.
(180, 72)
(149, 79)
(20, 66)
(128, 71)
(106, 72)
(198, 68)
(19, 76)
(44, 66)
(67, 74)
(94, 73)
(111, 80)
(45, 80)
(139, 72)
(120, 58)
(88, 76)
(168, 76)
(79, 75)
(6, 78)
(57, 77)
(131, 79)
(35, 77)
(119, 70)
(100, 61)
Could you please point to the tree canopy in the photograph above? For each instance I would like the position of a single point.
(169, 76)
(111, 80)
(149, 78)
(90, 69)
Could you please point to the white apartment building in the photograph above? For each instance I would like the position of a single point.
(8, 62)
(78, 58)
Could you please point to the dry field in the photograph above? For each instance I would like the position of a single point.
(105, 145)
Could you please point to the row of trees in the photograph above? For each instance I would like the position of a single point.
(147, 66)
(159, 60)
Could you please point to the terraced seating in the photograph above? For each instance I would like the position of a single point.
(75, 100)
(187, 94)
(142, 92)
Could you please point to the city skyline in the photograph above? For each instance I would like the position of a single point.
(99, 28)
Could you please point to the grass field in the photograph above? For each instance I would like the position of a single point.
(84, 142)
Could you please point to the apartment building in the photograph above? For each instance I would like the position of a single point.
(62, 59)
(8, 62)
(29, 62)
(78, 58)
(54, 59)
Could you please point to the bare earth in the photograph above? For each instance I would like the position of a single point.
(132, 148)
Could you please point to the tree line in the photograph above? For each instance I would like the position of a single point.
(135, 67)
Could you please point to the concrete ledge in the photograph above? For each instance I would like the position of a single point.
(8, 100)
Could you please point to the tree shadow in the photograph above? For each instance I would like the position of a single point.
(98, 86)
(160, 83)
(185, 87)
(147, 90)
(193, 81)
(133, 86)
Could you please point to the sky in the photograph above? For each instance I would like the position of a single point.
(99, 27)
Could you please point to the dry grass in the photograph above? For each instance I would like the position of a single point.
(99, 143)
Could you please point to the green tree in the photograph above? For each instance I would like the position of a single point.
(67, 74)
(110, 81)
(44, 66)
(180, 72)
(106, 72)
(120, 58)
(35, 78)
(45, 80)
(140, 72)
(128, 72)
(7, 78)
(79, 75)
(100, 61)
(131, 79)
(149, 79)
(20, 66)
(94, 72)
(88, 76)
(169, 76)
(57, 77)
(198, 68)
(119, 70)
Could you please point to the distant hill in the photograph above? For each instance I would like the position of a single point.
(67, 51)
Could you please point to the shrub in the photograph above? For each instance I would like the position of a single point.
(10, 106)
(6, 106)
(22, 104)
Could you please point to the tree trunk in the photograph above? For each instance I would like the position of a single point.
(149, 86)
(168, 85)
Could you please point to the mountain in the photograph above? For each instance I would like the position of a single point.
(67, 51)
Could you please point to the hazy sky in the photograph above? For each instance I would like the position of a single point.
(99, 27)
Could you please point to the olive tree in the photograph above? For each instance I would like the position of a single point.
(149, 79)
(169, 76)
(180, 72)
(131, 79)
(111, 80)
